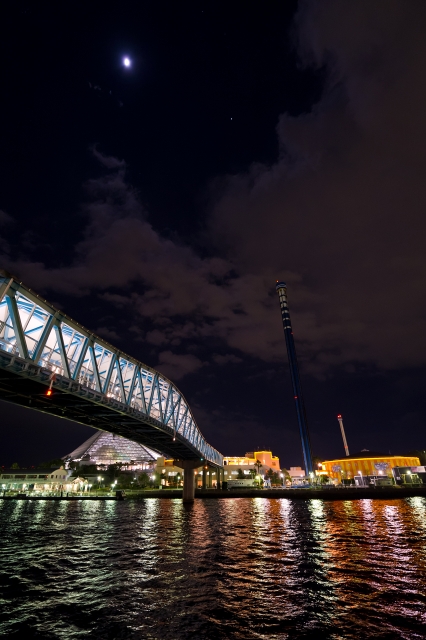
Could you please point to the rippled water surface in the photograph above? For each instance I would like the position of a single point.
(231, 568)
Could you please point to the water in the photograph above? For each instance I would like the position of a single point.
(232, 569)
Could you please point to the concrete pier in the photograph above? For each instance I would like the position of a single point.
(188, 484)
(188, 466)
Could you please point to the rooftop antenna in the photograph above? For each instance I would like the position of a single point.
(345, 444)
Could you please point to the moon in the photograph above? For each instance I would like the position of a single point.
(127, 62)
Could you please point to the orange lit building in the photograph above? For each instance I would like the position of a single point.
(249, 460)
(366, 463)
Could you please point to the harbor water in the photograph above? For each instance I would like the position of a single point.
(244, 568)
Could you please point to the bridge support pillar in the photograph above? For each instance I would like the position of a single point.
(219, 476)
(205, 477)
(188, 484)
(188, 466)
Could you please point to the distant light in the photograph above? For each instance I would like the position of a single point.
(49, 392)
(127, 62)
(339, 416)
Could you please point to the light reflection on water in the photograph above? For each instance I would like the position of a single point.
(232, 568)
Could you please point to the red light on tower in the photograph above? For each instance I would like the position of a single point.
(339, 416)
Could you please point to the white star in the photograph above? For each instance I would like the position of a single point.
(126, 62)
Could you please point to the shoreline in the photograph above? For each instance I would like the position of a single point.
(347, 493)
(355, 493)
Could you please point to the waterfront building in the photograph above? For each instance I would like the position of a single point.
(169, 475)
(250, 459)
(259, 462)
(104, 448)
(409, 475)
(297, 475)
(254, 462)
(40, 480)
(365, 463)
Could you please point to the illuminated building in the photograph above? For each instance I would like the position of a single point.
(297, 475)
(366, 463)
(171, 476)
(40, 480)
(104, 448)
(249, 463)
(266, 459)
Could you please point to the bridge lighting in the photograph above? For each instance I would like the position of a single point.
(52, 379)
(147, 385)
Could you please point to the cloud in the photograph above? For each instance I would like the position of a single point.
(110, 162)
(5, 218)
(176, 366)
(121, 249)
(236, 433)
(343, 207)
(227, 359)
(107, 333)
(339, 216)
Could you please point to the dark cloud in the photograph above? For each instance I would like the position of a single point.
(107, 333)
(176, 366)
(226, 359)
(108, 161)
(344, 205)
(339, 215)
(5, 218)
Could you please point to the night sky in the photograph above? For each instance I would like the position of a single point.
(157, 205)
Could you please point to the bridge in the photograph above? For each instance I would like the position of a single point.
(50, 363)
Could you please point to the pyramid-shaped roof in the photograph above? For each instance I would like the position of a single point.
(106, 448)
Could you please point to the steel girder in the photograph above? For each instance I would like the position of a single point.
(93, 382)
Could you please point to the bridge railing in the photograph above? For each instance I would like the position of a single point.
(33, 329)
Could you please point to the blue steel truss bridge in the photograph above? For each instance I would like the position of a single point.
(50, 363)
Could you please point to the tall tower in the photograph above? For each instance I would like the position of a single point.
(295, 377)
(345, 444)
